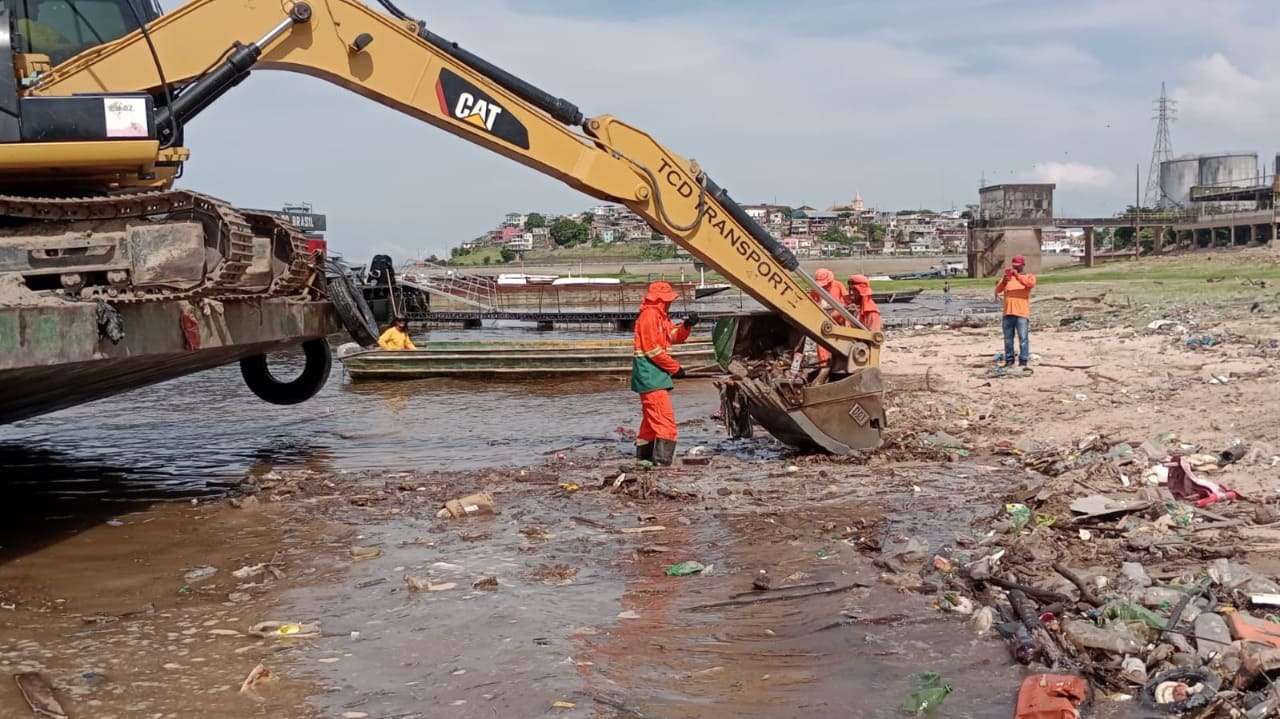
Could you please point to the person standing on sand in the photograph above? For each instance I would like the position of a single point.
(652, 368)
(1015, 287)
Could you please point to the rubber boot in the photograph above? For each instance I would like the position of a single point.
(664, 452)
(644, 451)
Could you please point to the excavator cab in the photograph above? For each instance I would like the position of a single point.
(62, 29)
(36, 35)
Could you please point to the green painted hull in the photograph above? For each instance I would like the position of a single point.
(514, 360)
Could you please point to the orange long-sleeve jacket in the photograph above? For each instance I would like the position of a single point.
(654, 335)
(869, 315)
(1016, 289)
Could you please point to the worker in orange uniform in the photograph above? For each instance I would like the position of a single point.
(1016, 287)
(826, 279)
(864, 303)
(652, 368)
(397, 336)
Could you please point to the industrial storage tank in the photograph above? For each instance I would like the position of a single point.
(1238, 169)
(1177, 177)
(1229, 170)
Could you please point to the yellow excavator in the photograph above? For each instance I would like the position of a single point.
(95, 96)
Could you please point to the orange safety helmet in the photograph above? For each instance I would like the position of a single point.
(824, 276)
(1018, 261)
(661, 292)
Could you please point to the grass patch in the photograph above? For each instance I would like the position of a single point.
(476, 257)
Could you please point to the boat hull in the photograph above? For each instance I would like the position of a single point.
(513, 360)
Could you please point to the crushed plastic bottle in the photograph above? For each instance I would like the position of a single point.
(1127, 612)
(1116, 639)
(684, 569)
(1019, 515)
(928, 694)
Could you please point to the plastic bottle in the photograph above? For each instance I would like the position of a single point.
(1115, 639)
(929, 693)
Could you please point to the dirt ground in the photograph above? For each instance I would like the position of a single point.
(828, 583)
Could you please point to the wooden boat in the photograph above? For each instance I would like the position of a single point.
(514, 360)
(895, 297)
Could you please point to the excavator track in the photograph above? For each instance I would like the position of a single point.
(226, 229)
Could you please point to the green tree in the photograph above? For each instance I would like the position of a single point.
(834, 234)
(508, 254)
(567, 233)
(659, 252)
(488, 259)
(875, 232)
(534, 221)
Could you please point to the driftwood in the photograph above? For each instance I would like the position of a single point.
(1098, 375)
(38, 693)
(1066, 298)
(1086, 591)
(1031, 619)
(1067, 366)
(776, 597)
(1041, 594)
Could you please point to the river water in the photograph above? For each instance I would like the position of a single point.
(202, 433)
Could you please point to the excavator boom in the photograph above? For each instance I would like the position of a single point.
(394, 60)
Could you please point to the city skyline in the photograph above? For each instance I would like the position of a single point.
(908, 104)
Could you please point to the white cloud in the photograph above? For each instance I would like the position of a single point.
(1218, 93)
(1073, 175)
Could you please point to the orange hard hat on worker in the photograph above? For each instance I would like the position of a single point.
(661, 292)
(824, 277)
(1018, 261)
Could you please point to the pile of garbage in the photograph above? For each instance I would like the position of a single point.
(1108, 564)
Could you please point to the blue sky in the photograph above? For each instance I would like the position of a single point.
(908, 103)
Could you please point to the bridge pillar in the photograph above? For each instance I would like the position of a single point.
(473, 324)
(1088, 247)
(546, 325)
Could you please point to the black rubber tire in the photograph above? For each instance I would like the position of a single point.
(1198, 701)
(257, 375)
(352, 310)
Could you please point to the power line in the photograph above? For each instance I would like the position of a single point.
(1166, 111)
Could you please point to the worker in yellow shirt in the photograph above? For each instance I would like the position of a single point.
(397, 336)
(1016, 287)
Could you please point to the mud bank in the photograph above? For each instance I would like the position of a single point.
(561, 604)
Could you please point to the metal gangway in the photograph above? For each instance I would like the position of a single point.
(439, 280)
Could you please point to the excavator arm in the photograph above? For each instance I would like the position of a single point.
(394, 60)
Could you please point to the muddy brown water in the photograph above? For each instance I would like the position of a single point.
(581, 616)
(199, 435)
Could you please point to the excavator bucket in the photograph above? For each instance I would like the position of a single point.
(836, 417)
